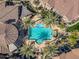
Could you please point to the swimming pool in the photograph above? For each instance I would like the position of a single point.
(39, 33)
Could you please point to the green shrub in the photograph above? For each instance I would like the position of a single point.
(73, 28)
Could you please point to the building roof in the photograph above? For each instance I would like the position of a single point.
(8, 12)
(68, 8)
(8, 35)
(11, 12)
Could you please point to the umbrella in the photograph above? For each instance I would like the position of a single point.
(8, 35)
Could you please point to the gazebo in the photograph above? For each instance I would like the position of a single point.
(8, 35)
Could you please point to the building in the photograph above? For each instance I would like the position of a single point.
(68, 8)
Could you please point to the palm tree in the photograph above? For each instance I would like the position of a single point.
(27, 50)
(27, 22)
(30, 7)
(9, 2)
(34, 6)
(36, 2)
(49, 16)
(73, 38)
(49, 51)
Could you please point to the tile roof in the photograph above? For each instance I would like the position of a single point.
(8, 12)
(69, 8)
(8, 35)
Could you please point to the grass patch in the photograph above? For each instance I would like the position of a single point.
(73, 28)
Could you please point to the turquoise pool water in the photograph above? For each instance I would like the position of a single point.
(39, 33)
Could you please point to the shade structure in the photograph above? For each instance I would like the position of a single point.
(8, 35)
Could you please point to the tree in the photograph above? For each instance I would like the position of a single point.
(27, 22)
(33, 6)
(49, 17)
(49, 51)
(73, 38)
(27, 50)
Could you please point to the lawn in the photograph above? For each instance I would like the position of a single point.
(73, 28)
